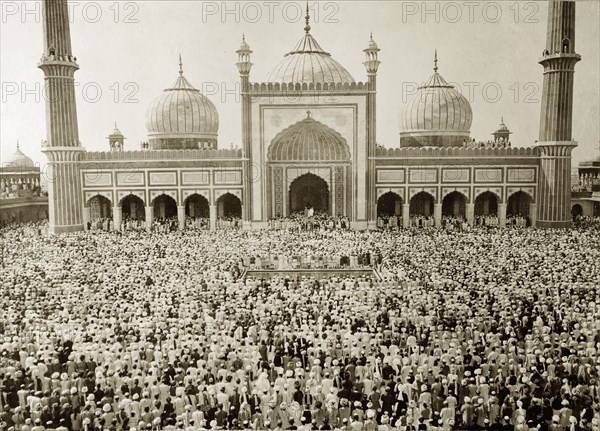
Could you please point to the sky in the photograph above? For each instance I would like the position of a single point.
(128, 53)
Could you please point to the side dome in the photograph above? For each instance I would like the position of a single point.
(18, 159)
(182, 118)
(309, 63)
(308, 140)
(437, 115)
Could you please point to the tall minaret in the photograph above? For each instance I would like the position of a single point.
(244, 65)
(63, 148)
(555, 143)
(372, 65)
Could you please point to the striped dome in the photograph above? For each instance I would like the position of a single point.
(437, 107)
(182, 112)
(309, 63)
(309, 140)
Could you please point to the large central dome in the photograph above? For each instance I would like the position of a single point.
(309, 63)
(182, 118)
(438, 115)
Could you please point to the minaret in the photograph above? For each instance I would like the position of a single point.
(244, 65)
(63, 148)
(555, 142)
(371, 64)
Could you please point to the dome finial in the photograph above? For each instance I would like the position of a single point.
(18, 145)
(308, 114)
(243, 37)
(307, 18)
(435, 66)
(180, 66)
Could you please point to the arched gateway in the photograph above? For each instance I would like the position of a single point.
(308, 166)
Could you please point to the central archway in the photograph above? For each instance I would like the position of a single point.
(309, 190)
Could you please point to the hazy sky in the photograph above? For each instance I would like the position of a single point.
(128, 53)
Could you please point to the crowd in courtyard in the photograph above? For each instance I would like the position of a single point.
(485, 328)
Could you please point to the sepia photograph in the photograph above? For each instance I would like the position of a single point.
(300, 215)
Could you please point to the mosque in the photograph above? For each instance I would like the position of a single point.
(315, 151)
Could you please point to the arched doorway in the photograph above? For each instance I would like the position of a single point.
(518, 205)
(229, 206)
(309, 190)
(196, 206)
(389, 204)
(486, 204)
(100, 207)
(165, 207)
(132, 208)
(454, 205)
(421, 204)
(576, 211)
(517, 209)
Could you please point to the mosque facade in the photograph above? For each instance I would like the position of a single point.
(309, 140)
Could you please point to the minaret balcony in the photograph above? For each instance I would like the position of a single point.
(58, 60)
(560, 55)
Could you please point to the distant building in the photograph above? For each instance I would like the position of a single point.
(21, 195)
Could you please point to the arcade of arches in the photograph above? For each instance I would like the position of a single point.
(456, 205)
(162, 207)
(310, 190)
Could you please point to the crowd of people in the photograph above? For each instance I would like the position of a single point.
(309, 219)
(466, 329)
(487, 220)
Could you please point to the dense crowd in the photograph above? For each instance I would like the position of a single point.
(309, 220)
(464, 329)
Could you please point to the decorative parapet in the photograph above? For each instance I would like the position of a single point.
(456, 152)
(274, 87)
(141, 155)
